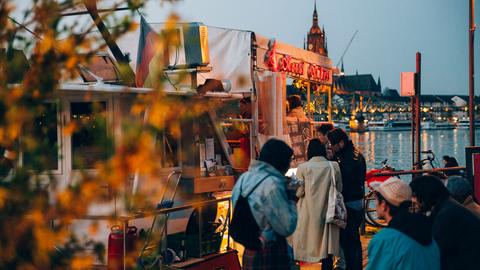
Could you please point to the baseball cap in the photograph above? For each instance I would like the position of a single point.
(395, 191)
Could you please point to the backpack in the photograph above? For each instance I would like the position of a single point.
(243, 227)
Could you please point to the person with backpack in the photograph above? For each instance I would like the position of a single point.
(263, 214)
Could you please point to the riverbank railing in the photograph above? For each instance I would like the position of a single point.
(418, 172)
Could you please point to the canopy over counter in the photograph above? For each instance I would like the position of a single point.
(236, 54)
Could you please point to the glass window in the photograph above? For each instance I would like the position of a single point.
(89, 141)
(45, 132)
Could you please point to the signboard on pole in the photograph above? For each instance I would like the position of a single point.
(407, 84)
(476, 176)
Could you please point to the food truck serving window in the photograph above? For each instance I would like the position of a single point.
(45, 129)
(89, 141)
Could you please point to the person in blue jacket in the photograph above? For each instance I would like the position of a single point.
(407, 242)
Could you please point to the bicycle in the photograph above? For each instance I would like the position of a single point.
(370, 206)
(430, 160)
(372, 179)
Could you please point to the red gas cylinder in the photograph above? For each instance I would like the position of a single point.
(115, 246)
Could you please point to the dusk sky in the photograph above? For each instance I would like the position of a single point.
(389, 33)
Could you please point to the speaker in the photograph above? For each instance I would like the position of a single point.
(192, 48)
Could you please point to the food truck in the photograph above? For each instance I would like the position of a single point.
(182, 222)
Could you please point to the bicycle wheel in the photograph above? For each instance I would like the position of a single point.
(370, 205)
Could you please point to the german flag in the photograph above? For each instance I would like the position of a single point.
(147, 44)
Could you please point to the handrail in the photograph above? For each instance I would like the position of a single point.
(156, 212)
(403, 172)
(237, 120)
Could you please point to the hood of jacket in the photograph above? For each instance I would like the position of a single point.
(416, 226)
(258, 171)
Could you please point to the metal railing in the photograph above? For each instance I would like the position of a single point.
(404, 172)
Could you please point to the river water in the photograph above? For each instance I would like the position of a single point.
(396, 146)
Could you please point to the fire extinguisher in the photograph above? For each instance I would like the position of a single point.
(115, 246)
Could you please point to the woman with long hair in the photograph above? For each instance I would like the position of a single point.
(315, 240)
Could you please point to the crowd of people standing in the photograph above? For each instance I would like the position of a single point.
(428, 228)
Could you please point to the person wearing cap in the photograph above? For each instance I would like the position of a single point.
(353, 169)
(462, 192)
(407, 241)
(455, 229)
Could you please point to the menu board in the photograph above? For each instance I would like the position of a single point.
(299, 132)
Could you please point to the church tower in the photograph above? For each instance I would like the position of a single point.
(316, 40)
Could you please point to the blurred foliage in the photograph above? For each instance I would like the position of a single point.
(35, 210)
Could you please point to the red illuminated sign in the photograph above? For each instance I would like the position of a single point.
(287, 65)
(271, 55)
(297, 68)
(318, 73)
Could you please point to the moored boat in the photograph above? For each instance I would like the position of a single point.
(431, 125)
(398, 125)
(376, 125)
(465, 123)
(358, 124)
(343, 124)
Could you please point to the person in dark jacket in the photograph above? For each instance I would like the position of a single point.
(455, 229)
(407, 241)
(353, 169)
(449, 162)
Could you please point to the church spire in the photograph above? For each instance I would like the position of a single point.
(379, 84)
(316, 36)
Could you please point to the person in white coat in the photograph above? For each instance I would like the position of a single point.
(314, 240)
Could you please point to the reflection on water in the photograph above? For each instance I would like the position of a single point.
(396, 146)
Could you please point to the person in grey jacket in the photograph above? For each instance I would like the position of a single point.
(275, 214)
